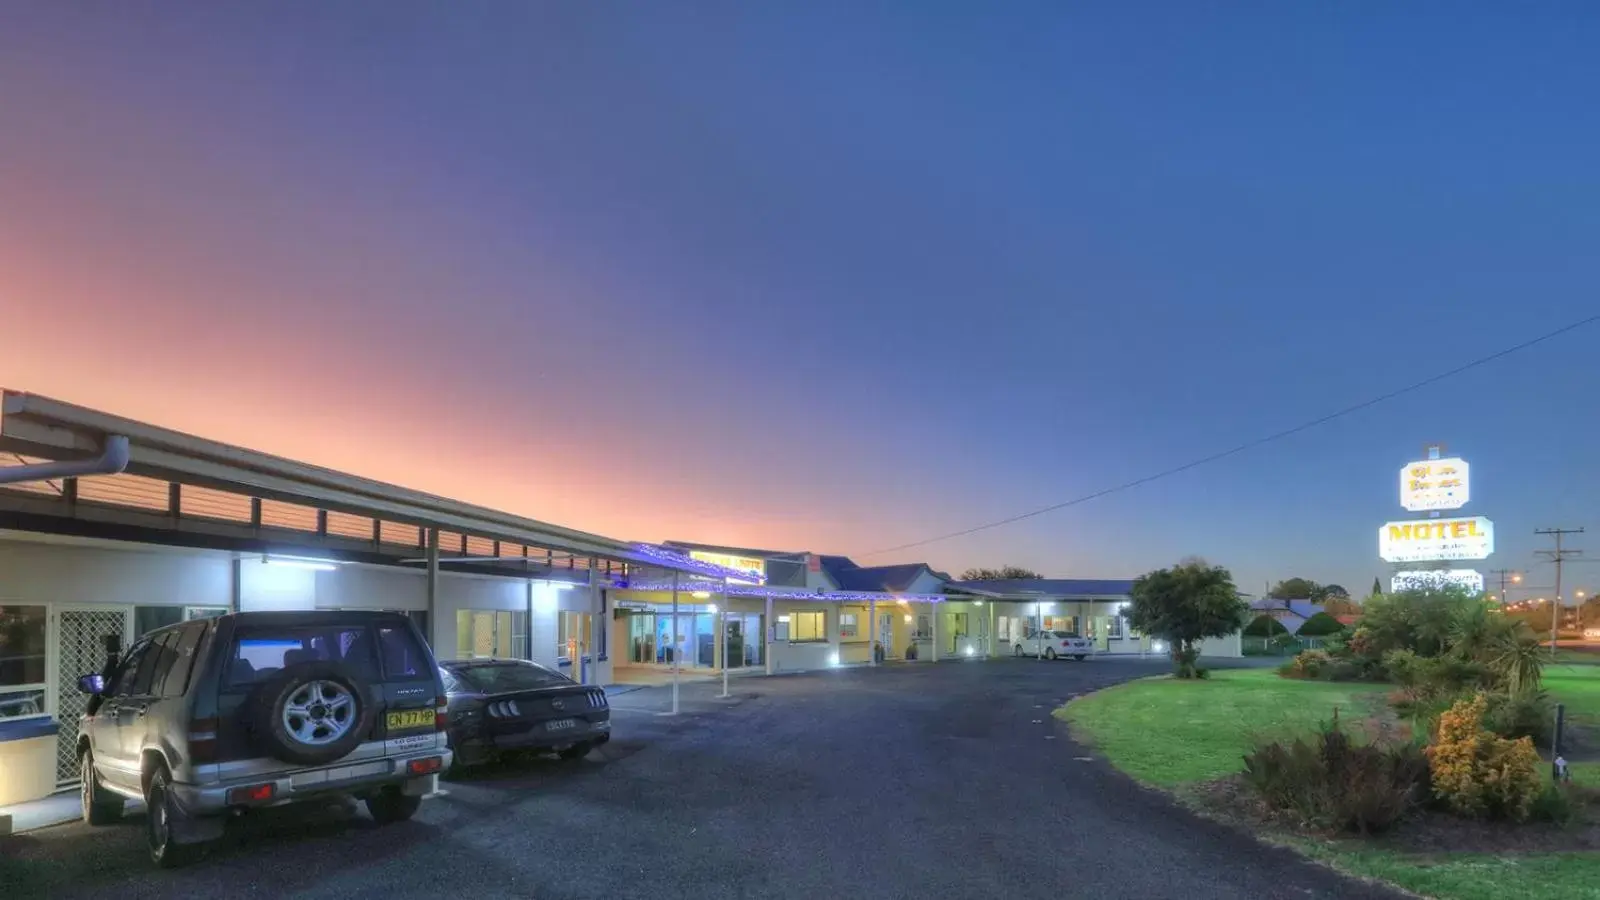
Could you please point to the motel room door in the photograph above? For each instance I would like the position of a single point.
(886, 633)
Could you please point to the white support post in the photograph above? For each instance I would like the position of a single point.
(933, 616)
(677, 650)
(993, 649)
(433, 592)
(722, 638)
(768, 639)
(1038, 633)
(872, 631)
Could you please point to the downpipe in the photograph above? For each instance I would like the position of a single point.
(113, 459)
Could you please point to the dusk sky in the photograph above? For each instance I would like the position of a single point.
(833, 276)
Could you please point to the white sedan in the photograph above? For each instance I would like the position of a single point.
(1054, 644)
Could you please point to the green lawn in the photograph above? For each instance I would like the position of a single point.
(1171, 733)
(1168, 732)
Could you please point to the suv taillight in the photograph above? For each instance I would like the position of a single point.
(203, 740)
(441, 713)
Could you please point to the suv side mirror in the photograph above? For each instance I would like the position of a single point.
(92, 684)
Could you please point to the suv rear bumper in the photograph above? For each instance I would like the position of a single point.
(345, 777)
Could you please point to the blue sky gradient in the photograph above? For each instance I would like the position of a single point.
(834, 276)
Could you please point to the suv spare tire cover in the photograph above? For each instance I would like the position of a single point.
(275, 739)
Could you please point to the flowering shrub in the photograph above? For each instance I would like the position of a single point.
(1477, 774)
(1306, 664)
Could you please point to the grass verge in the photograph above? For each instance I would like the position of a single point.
(1174, 734)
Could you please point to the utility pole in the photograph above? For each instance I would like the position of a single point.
(1506, 575)
(1558, 555)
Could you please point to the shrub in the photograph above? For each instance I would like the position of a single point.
(1306, 664)
(1336, 784)
(1438, 676)
(1320, 625)
(1477, 774)
(1557, 803)
(1529, 715)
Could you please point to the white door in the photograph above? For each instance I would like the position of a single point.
(79, 642)
(886, 632)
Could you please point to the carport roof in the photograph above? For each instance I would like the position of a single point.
(44, 428)
(1046, 588)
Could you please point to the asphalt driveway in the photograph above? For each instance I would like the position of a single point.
(929, 782)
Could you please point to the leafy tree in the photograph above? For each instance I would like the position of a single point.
(1333, 592)
(1004, 573)
(1265, 626)
(1295, 589)
(1320, 625)
(1341, 606)
(1377, 587)
(1184, 605)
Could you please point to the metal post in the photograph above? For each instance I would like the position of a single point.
(433, 591)
(933, 617)
(722, 638)
(770, 627)
(1038, 633)
(677, 664)
(872, 631)
(1557, 764)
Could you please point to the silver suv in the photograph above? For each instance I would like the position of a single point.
(212, 718)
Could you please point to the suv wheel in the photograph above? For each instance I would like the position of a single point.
(390, 805)
(100, 806)
(162, 819)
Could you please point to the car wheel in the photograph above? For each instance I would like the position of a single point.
(163, 819)
(312, 713)
(1081, 657)
(389, 806)
(576, 751)
(100, 806)
(1050, 653)
(1016, 649)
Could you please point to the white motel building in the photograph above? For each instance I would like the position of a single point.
(113, 526)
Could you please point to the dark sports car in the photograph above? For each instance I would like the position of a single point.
(506, 704)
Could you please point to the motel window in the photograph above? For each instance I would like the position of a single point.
(1114, 626)
(847, 625)
(486, 634)
(924, 626)
(1003, 627)
(780, 631)
(808, 626)
(22, 653)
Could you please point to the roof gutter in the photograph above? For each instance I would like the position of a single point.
(113, 459)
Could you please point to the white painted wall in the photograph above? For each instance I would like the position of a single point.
(112, 573)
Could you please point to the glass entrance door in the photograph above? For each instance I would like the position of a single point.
(744, 644)
(642, 638)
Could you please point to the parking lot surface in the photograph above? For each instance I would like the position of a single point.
(929, 781)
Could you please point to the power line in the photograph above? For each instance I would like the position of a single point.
(1249, 445)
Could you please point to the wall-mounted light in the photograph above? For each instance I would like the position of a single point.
(701, 595)
(969, 651)
(903, 602)
(977, 603)
(908, 618)
(833, 659)
(302, 562)
(711, 608)
(783, 620)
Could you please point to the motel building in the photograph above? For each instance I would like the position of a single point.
(120, 527)
(795, 611)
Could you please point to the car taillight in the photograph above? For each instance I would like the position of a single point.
(255, 794)
(1066, 643)
(203, 740)
(425, 766)
(441, 713)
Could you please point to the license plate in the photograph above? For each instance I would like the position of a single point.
(410, 718)
(561, 724)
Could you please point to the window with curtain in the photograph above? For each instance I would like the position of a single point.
(22, 654)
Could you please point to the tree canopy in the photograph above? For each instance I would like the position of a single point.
(1004, 573)
(1295, 589)
(1320, 625)
(1184, 605)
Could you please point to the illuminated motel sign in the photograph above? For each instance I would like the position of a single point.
(756, 567)
(1430, 540)
(1420, 580)
(1431, 485)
